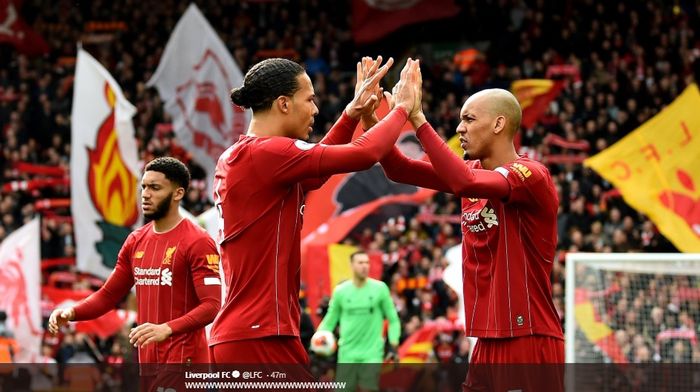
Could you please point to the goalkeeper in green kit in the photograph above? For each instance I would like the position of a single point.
(361, 305)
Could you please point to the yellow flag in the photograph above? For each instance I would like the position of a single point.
(657, 169)
(339, 262)
(455, 145)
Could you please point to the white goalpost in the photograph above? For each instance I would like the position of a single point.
(632, 308)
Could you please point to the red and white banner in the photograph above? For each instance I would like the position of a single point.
(20, 289)
(15, 31)
(195, 76)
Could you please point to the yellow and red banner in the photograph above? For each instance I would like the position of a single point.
(418, 348)
(535, 96)
(655, 168)
(594, 329)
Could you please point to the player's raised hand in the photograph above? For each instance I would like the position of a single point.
(416, 116)
(59, 318)
(367, 90)
(148, 333)
(404, 92)
(368, 67)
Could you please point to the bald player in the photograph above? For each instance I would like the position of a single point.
(509, 227)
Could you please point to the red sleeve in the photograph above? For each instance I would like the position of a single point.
(367, 149)
(340, 133)
(400, 168)
(114, 290)
(285, 160)
(462, 179)
(204, 268)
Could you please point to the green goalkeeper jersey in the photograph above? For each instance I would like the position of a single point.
(361, 312)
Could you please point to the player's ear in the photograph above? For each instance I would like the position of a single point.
(499, 125)
(283, 103)
(179, 194)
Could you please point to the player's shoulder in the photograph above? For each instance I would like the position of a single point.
(138, 235)
(342, 286)
(525, 168)
(193, 228)
(141, 232)
(283, 144)
(194, 233)
(377, 284)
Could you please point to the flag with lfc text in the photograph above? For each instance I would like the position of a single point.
(104, 167)
(20, 289)
(655, 168)
(195, 76)
(534, 96)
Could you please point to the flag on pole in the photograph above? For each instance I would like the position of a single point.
(195, 76)
(104, 167)
(20, 289)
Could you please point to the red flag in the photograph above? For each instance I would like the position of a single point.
(15, 31)
(534, 96)
(373, 19)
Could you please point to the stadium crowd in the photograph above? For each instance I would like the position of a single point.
(631, 59)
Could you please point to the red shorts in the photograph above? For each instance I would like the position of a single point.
(269, 350)
(527, 363)
(162, 381)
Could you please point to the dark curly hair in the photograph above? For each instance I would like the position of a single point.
(174, 170)
(266, 81)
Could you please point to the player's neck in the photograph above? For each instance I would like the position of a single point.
(499, 157)
(265, 126)
(168, 222)
(358, 282)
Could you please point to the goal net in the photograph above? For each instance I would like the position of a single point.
(632, 308)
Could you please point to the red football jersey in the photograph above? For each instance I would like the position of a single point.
(261, 202)
(168, 270)
(508, 248)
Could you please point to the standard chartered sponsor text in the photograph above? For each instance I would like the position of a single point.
(147, 271)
